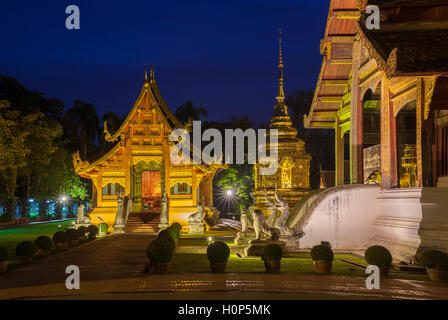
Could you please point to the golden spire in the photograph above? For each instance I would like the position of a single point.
(151, 74)
(281, 94)
(146, 74)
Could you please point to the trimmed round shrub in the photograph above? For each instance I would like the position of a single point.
(378, 256)
(3, 254)
(322, 252)
(92, 230)
(177, 228)
(73, 234)
(82, 231)
(60, 236)
(218, 251)
(25, 249)
(43, 243)
(272, 252)
(433, 259)
(167, 234)
(102, 227)
(160, 250)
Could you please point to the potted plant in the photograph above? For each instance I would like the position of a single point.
(218, 253)
(102, 229)
(176, 228)
(3, 260)
(73, 237)
(160, 253)
(436, 264)
(60, 239)
(272, 255)
(322, 256)
(82, 230)
(43, 245)
(92, 230)
(379, 256)
(168, 234)
(25, 251)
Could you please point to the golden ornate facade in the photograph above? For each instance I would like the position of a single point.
(386, 88)
(292, 179)
(139, 165)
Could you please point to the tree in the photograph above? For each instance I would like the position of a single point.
(188, 111)
(14, 149)
(82, 124)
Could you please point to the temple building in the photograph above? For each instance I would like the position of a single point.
(292, 179)
(139, 166)
(384, 92)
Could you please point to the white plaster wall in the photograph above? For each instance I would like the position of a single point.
(344, 217)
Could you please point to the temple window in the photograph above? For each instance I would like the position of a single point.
(181, 188)
(112, 189)
(286, 174)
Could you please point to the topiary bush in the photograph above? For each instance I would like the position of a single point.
(322, 252)
(433, 259)
(168, 234)
(43, 243)
(73, 234)
(82, 231)
(25, 249)
(272, 252)
(378, 256)
(3, 254)
(92, 230)
(160, 250)
(218, 251)
(102, 228)
(176, 227)
(60, 237)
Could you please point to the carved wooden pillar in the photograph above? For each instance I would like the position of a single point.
(388, 139)
(356, 128)
(420, 103)
(339, 154)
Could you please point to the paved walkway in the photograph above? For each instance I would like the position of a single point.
(111, 268)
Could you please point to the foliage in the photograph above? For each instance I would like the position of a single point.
(3, 254)
(167, 234)
(378, 256)
(93, 231)
(433, 259)
(102, 228)
(176, 227)
(60, 237)
(240, 178)
(218, 251)
(272, 251)
(43, 243)
(188, 111)
(25, 249)
(73, 234)
(322, 252)
(160, 250)
(82, 231)
(82, 124)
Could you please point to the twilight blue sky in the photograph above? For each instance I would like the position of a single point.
(220, 54)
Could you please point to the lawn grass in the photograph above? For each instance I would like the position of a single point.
(9, 238)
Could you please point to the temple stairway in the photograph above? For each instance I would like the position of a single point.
(143, 222)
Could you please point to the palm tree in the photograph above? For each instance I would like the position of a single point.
(83, 123)
(189, 111)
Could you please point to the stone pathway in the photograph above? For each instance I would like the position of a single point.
(111, 268)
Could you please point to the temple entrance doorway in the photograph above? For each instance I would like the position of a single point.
(151, 190)
(407, 146)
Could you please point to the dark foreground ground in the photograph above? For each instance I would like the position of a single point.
(111, 268)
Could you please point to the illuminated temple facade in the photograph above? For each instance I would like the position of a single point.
(384, 92)
(292, 179)
(139, 166)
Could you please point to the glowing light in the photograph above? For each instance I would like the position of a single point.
(210, 239)
(229, 192)
(31, 200)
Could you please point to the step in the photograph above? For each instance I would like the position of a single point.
(143, 222)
